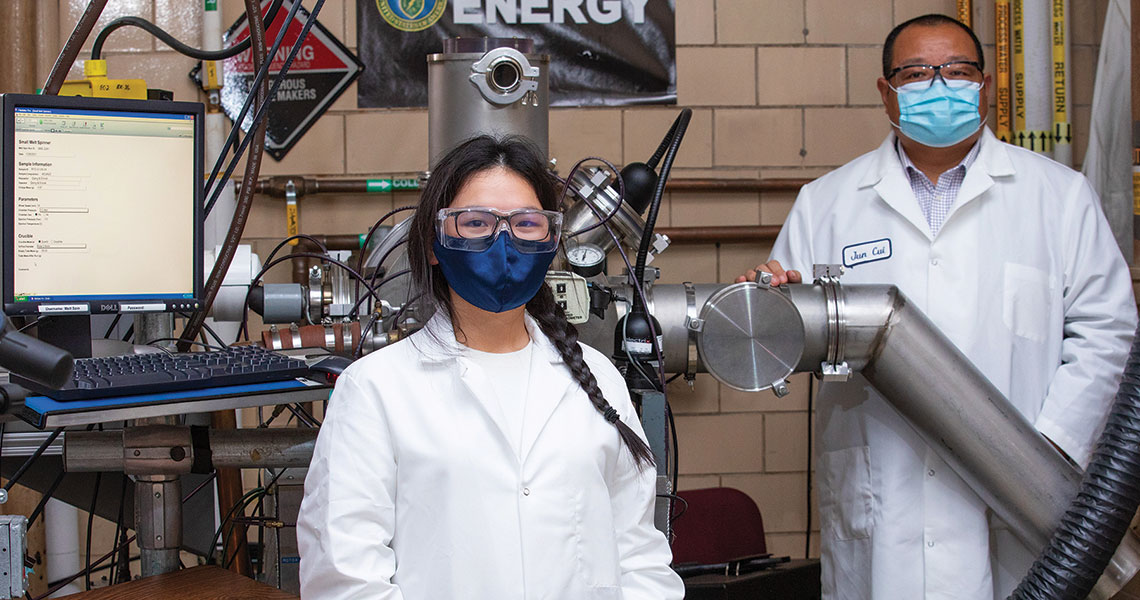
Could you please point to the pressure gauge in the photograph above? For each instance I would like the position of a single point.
(586, 260)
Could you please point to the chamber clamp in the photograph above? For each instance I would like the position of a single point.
(504, 76)
(693, 326)
(835, 367)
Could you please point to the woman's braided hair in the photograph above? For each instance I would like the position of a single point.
(521, 157)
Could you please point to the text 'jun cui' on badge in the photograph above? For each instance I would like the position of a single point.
(866, 252)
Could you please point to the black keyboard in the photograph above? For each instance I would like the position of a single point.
(163, 372)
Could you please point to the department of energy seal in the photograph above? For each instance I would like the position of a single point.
(411, 15)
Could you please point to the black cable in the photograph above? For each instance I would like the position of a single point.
(293, 256)
(262, 110)
(30, 325)
(258, 80)
(114, 323)
(299, 236)
(676, 449)
(368, 239)
(93, 571)
(807, 542)
(31, 459)
(617, 205)
(375, 288)
(174, 43)
(118, 525)
(196, 343)
(90, 524)
(358, 352)
(303, 415)
(45, 498)
(209, 330)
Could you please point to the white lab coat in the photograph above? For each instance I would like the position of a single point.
(415, 492)
(1026, 279)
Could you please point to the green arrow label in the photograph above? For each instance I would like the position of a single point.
(379, 185)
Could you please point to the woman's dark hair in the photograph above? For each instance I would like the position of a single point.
(522, 158)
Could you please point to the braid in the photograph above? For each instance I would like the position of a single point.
(552, 321)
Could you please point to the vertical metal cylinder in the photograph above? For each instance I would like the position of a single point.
(158, 520)
(487, 86)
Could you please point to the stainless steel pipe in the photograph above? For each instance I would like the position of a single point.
(962, 416)
(236, 448)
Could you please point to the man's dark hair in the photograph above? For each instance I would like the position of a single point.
(930, 20)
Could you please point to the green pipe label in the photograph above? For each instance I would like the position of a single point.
(388, 185)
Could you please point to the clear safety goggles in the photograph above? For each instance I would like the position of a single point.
(474, 229)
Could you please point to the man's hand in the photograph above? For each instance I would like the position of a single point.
(779, 275)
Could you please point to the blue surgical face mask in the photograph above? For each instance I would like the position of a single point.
(496, 279)
(939, 114)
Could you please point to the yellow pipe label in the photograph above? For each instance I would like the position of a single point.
(1136, 190)
(1062, 131)
(1018, 68)
(964, 10)
(292, 221)
(1037, 141)
(1004, 114)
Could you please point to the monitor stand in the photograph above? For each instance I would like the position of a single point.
(70, 332)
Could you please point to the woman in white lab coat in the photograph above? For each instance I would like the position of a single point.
(490, 455)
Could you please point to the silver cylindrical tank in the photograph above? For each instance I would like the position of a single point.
(487, 86)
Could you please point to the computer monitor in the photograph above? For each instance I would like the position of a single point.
(102, 204)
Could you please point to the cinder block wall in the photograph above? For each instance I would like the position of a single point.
(779, 88)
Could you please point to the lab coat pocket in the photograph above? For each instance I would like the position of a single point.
(846, 504)
(1025, 301)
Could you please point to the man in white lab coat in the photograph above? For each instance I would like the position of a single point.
(1009, 254)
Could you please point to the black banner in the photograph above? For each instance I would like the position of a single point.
(602, 52)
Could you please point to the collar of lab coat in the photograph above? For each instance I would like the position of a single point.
(888, 178)
(438, 343)
(549, 382)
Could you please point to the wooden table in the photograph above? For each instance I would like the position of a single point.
(795, 580)
(198, 583)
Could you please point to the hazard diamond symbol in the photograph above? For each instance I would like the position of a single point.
(321, 71)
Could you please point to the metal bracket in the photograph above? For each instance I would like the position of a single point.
(835, 367)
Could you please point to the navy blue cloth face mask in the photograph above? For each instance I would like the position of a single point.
(498, 278)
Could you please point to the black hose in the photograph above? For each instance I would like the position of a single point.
(676, 134)
(1098, 518)
(170, 40)
(245, 200)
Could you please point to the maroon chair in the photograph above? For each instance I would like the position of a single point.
(719, 524)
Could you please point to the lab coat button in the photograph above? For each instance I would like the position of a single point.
(934, 262)
(526, 491)
(930, 472)
(930, 544)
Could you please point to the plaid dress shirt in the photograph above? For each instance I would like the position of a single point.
(936, 200)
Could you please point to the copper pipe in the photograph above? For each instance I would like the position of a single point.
(275, 186)
(729, 234)
(347, 241)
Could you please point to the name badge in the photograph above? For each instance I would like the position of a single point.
(866, 252)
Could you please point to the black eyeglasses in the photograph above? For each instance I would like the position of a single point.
(957, 70)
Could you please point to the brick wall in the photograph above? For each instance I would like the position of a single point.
(779, 88)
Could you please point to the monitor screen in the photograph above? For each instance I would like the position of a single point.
(101, 206)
